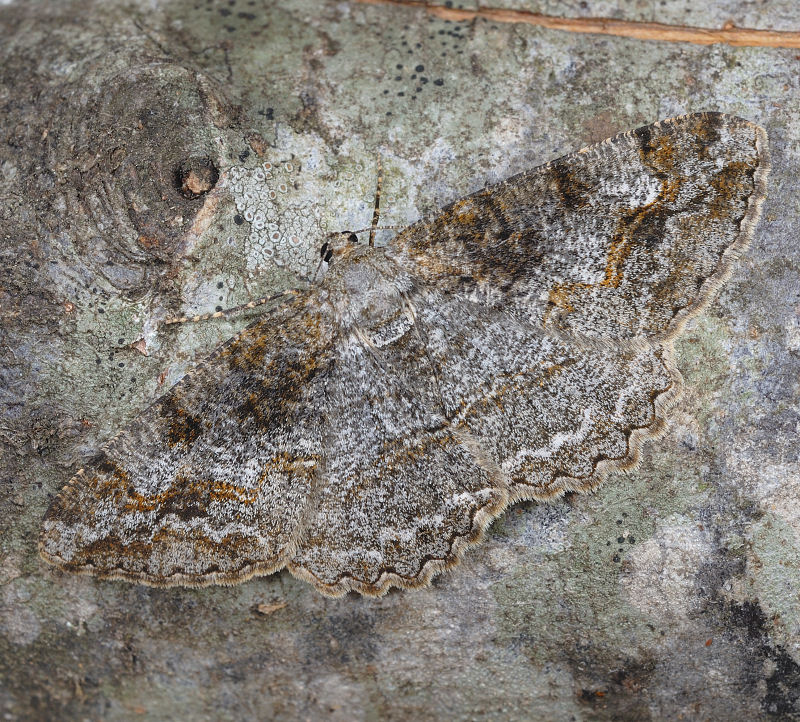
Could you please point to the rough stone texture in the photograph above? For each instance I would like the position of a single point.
(671, 592)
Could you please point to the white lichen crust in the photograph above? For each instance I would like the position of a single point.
(516, 345)
(278, 200)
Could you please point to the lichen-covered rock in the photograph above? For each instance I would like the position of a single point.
(672, 591)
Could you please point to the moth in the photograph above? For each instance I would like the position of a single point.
(515, 345)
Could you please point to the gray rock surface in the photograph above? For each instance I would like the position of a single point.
(671, 593)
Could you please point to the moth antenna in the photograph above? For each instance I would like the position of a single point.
(364, 230)
(229, 311)
(377, 212)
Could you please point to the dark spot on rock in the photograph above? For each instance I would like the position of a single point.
(438, 81)
(782, 697)
(419, 68)
(238, 220)
(196, 176)
(783, 687)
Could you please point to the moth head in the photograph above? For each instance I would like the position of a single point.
(336, 244)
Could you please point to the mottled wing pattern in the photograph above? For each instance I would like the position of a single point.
(555, 415)
(446, 411)
(546, 306)
(210, 484)
(621, 240)
(517, 345)
(402, 491)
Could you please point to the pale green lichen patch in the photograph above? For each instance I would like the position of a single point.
(611, 535)
(774, 576)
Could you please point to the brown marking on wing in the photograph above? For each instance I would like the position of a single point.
(183, 427)
(276, 382)
(104, 554)
(705, 129)
(463, 213)
(551, 372)
(248, 351)
(635, 226)
(727, 182)
(106, 480)
(185, 494)
(574, 191)
(276, 391)
(394, 456)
